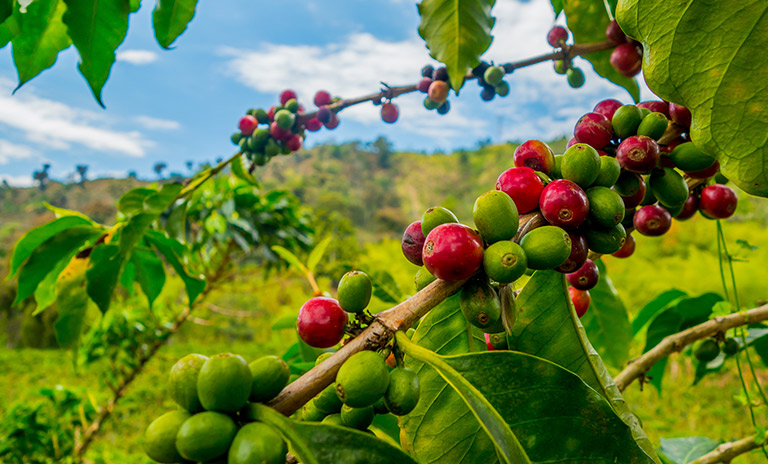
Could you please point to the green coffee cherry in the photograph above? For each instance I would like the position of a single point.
(626, 120)
(498, 340)
(403, 392)
(687, 157)
(270, 375)
(505, 262)
(706, 350)
(224, 383)
(182, 382)
(362, 379)
(654, 125)
(160, 437)
(502, 89)
(546, 247)
(284, 119)
(327, 401)
(205, 436)
(333, 419)
(354, 292)
(581, 164)
(435, 216)
(730, 346)
(423, 278)
(310, 413)
(609, 173)
(493, 75)
(495, 216)
(605, 240)
(668, 187)
(357, 418)
(606, 208)
(257, 442)
(557, 172)
(480, 304)
(322, 357)
(575, 77)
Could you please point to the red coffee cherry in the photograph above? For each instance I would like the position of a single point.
(321, 322)
(453, 252)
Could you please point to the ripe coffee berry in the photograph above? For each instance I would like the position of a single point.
(413, 243)
(690, 207)
(523, 185)
(627, 249)
(607, 108)
(564, 204)
(718, 201)
(705, 173)
(652, 220)
(578, 256)
(614, 33)
(287, 95)
(586, 277)
(638, 154)
(322, 98)
(324, 114)
(680, 114)
(247, 124)
(536, 155)
(580, 299)
(321, 322)
(557, 36)
(423, 85)
(438, 91)
(626, 60)
(453, 252)
(594, 129)
(655, 107)
(333, 123)
(389, 113)
(294, 142)
(278, 133)
(314, 125)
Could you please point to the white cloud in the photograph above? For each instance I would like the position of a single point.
(137, 57)
(157, 124)
(11, 151)
(59, 126)
(18, 181)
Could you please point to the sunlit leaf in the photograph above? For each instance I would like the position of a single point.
(42, 36)
(29, 242)
(103, 274)
(686, 449)
(172, 250)
(150, 273)
(72, 303)
(654, 306)
(170, 19)
(317, 253)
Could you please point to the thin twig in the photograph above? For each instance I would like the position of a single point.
(680, 340)
(727, 451)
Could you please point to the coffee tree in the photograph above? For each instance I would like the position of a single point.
(498, 356)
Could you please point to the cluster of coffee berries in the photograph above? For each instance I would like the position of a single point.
(281, 129)
(434, 83)
(213, 423)
(491, 79)
(364, 387)
(709, 349)
(627, 57)
(323, 321)
(557, 37)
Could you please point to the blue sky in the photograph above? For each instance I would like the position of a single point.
(183, 104)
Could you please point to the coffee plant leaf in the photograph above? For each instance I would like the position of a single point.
(149, 272)
(587, 21)
(457, 33)
(656, 305)
(686, 449)
(72, 302)
(29, 242)
(702, 55)
(685, 313)
(607, 321)
(173, 252)
(548, 327)
(96, 28)
(42, 35)
(314, 443)
(170, 18)
(425, 430)
(44, 258)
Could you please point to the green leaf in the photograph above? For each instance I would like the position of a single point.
(654, 306)
(607, 321)
(686, 313)
(173, 251)
(10, 28)
(314, 443)
(587, 21)
(285, 322)
(292, 259)
(135, 5)
(44, 258)
(385, 288)
(425, 430)
(317, 253)
(132, 201)
(176, 224)
(457, 33)
(6, 9)
(72, 303)
(97, 28)
(557, 6)
(170, 19)
(29, 242)
(103, 274)
(150, 273)
(159, 201)
(702, 55)
(686, 449)
(42, 36)
(240, 172)
(540, 402)
(45, 293)
(63, 212)
(128, 277)
(548, 327)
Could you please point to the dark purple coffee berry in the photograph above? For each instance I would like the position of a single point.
(586, 277)
(652, 220)
(557, 36)
(427, 71)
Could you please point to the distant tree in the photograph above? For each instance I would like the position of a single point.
(82, 170)
(383, 150)
(159, 168)
(190, 165)
(132, 174)
(41, 176)
(176, 177)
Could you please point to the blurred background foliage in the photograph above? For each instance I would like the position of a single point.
(362, 195)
